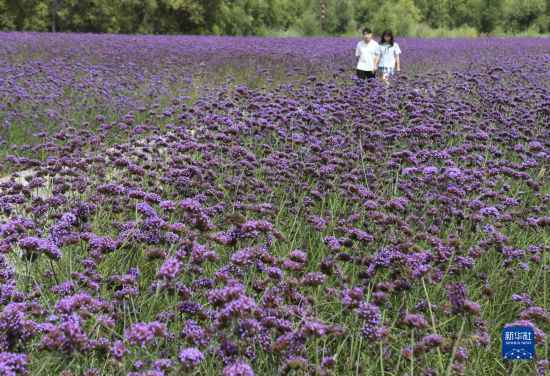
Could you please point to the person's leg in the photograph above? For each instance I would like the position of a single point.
(370, 75)
(383, 73)
(361, 74)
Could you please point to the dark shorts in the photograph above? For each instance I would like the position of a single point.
(365, 74)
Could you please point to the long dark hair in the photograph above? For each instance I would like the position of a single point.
(383, 37)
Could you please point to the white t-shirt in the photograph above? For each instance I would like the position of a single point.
(388, 54)
(366, 53)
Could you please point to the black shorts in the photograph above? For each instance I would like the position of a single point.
(365, 74)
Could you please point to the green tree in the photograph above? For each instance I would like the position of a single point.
(364, 11)
(239, 17)
(522, 14)
(340, 16)
(400, 17)
(461, 14)
(434, 13)
(490, 15)
(327, 17)
(86, 15)
(7, 19)
(309, 23)
(25, 15)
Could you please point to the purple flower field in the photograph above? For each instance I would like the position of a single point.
(242, 206)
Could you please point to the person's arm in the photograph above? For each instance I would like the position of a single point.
(397, 64)
(376, 59)
(397, 59)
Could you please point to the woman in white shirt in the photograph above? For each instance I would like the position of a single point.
(368, 52)
(389, 55)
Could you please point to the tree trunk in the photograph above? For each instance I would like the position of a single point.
(54, 15)
(323, 14)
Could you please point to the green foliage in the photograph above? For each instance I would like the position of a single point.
(542, 23)
(425, 31)
(339, 17)
(279, 17)
(435, 13)
(309, 23)
(249, 17)
(462, 14)
(522, 14)
(490, 12)
(400, 17)
(87, 15)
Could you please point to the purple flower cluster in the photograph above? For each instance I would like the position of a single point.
(13, 364)
(35, 246)
(190, 357)
(143, 334)
(238, 369)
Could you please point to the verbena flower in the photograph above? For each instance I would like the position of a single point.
(238, 369)
(12, 364)
(190, 357)
(143, 334)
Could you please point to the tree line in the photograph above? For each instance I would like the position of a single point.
(277, 17)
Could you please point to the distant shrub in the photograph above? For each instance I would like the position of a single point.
(308, 24)
(425, 31)
(543, 23)
(291, 32)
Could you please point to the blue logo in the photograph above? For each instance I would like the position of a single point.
(518, 342)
